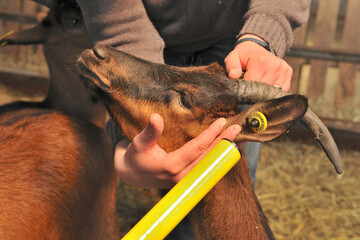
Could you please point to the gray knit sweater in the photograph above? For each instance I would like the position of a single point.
(140, 27)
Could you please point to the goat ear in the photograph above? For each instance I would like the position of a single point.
(281, 114)
(32, 35)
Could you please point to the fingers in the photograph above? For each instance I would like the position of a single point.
(153, 167)
(150, 135)
(273, 71)
(284, 80)
(178, 163)
(120, 148)
(259, 65)
(254, 74)
(119, 156)
(196, 146)
(229, 133)
(184, 156)
(122, 144)
(233, 65)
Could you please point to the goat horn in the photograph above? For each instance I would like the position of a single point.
(3, 40)
(252, 92)
(47, 3)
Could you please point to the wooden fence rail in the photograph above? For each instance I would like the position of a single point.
(325, 58)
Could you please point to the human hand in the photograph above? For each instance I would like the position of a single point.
(142, 163)
(259, 64)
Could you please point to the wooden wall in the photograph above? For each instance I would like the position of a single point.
(326, 59)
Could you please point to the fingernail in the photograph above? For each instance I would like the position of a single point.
(231, 73)
(235, 130)
(222, 122)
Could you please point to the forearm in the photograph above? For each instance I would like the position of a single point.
(124, 25)
(274, 21)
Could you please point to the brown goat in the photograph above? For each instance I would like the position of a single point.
(57, 179)
(63, 36)
(189, 100)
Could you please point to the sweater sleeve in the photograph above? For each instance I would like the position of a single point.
(123, 24)
(274, 21)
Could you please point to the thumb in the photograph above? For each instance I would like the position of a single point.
(233, 64)
(150, 135)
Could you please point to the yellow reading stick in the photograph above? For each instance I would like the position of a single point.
(184, 196)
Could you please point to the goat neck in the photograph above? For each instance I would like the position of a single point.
(231, 210)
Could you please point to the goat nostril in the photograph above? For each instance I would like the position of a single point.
(100, 53)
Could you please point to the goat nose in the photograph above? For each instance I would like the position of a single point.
(100, 52)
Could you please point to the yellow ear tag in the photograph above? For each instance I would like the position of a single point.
(257, 122)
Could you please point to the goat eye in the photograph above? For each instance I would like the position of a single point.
(184, 99)
(75, 22)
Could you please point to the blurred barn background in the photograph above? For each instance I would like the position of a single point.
(298, 189)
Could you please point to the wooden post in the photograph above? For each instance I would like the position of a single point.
(295, 62)
(8, 26)
(345, 89)
(325, 27)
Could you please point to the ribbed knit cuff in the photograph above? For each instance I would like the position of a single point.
(270, 30)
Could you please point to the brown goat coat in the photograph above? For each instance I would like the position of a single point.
(57, 179)
(189, 99)
(225, 212)
(58, 183)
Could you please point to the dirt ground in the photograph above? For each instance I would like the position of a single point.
(302, 195)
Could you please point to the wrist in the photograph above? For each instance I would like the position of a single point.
(255, 39)
(251, 36)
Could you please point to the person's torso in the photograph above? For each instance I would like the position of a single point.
(191, 25)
